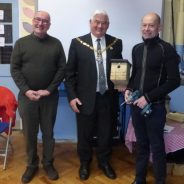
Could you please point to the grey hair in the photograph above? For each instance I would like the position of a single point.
(103, 12)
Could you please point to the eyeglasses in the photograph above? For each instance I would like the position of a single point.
(103, 23)
(43, 21)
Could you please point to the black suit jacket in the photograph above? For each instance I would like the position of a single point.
(81, 71)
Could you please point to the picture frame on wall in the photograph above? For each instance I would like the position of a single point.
(6, 36)
(5, 12)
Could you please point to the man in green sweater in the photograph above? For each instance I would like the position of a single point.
(37, 67)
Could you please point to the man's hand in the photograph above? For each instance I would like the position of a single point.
(74, 103)
(42, 92)
(33, 95)
(141, 102)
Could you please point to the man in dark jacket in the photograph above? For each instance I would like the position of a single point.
(155, 73)
(90, 95)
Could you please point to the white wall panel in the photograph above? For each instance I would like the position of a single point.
(70, 18)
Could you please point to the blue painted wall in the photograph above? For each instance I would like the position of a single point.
(65, 127)
(177, 100)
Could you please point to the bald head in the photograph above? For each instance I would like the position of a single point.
(153, 16)
(150, 25)
(42, 13)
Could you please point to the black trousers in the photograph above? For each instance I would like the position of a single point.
(99, 121)
(35, 115)
(149, 134)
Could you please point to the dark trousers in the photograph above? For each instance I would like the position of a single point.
(34, 115)
(99, 121)
(149, 134)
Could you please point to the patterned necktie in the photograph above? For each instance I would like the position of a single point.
(102, 84)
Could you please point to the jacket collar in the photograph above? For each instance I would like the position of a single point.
(151, 40)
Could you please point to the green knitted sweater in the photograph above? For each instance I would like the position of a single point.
(38, 63)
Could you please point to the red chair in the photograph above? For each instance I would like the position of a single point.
(8, 107)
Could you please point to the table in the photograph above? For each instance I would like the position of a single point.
(174, 140)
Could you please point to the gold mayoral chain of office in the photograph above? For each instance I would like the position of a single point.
(92, 48)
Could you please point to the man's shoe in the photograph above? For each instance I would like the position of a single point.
(51, 172)
(29, 174)
(108, 170)
(160, 182)
(84, 171)
(138, 182)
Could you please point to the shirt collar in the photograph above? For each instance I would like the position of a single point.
(94, 38)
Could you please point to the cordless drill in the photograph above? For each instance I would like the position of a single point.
(146, 111)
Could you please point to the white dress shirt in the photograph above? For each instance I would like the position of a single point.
(103, 46)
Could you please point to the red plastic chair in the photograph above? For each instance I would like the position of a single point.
(8, 107)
